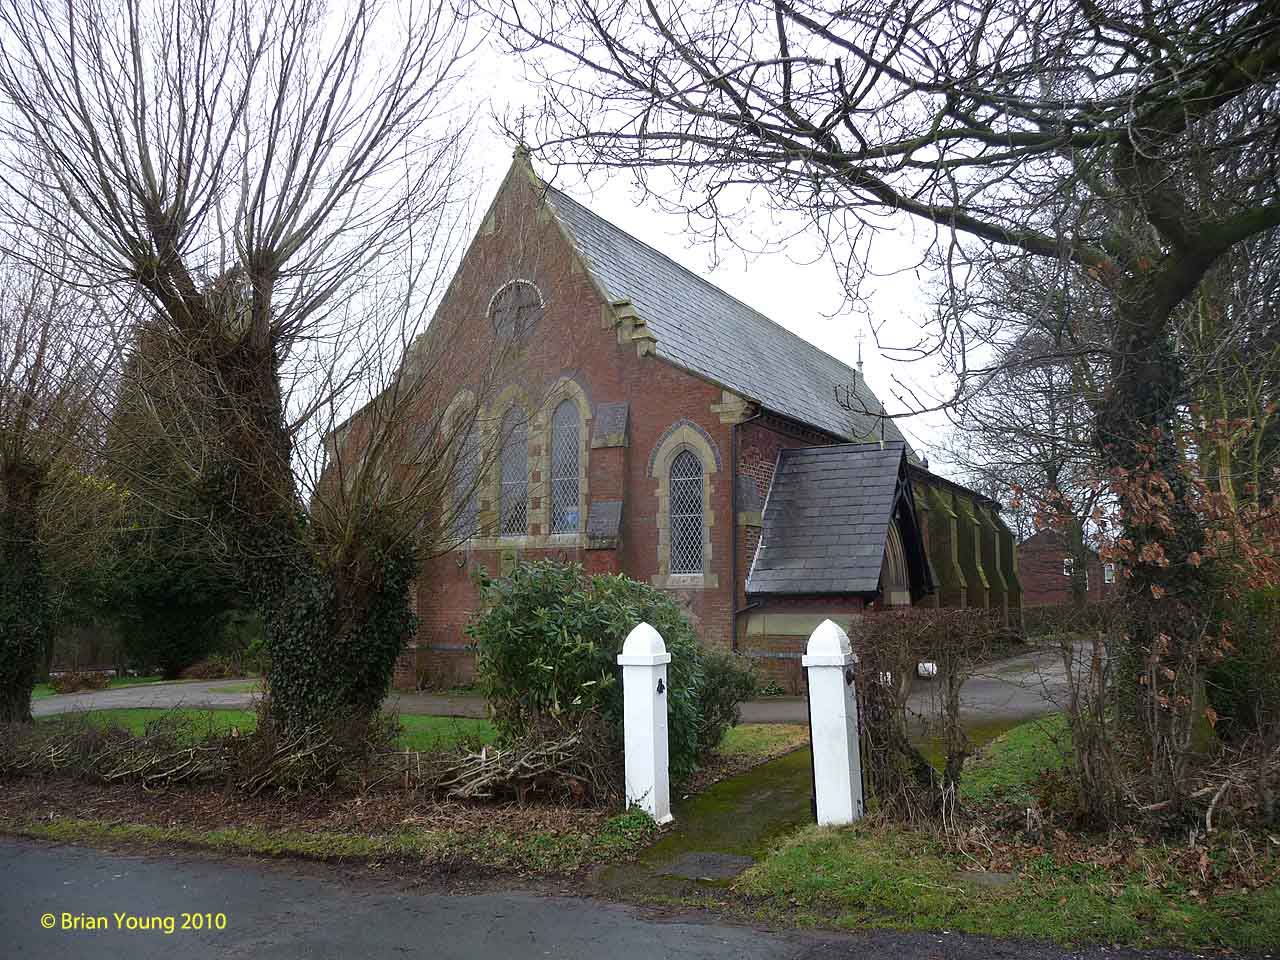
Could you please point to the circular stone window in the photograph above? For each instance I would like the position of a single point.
(515, 309)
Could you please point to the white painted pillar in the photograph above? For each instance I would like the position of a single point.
(833, 726)
(644, 660)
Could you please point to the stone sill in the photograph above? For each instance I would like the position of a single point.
(685, 581)
(551, 541)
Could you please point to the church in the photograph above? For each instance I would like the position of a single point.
(662, 429)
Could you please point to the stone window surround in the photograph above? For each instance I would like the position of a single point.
(464, 400)
(566, 388)
(513, 282)
(539, 432)
(491, 485)
(684, 435)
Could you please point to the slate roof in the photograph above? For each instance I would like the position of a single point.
(706, 331)
(826, 518)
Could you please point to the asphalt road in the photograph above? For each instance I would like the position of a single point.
(286, 910)
(1014, 689)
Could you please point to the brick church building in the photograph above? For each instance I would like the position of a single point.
(662, 429)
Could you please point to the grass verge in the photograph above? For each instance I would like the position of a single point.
(399, 827)
(868, 876)
(1067, 888)
(1009, 766)
(535, 852)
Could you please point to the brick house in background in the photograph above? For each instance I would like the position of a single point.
(662, 429)
(1045, 568)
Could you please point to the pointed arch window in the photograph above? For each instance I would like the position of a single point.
(466, 483)
(513, 503)
(566, 455)
(686, 513)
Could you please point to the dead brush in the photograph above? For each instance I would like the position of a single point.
(576, 764)
(167, 752)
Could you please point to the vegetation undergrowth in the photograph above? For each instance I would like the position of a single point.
(548, 638)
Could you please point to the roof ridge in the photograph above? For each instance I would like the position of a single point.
(705, 282)
(832, 447)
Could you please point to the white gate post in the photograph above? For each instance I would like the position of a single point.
(644, 660)
(833, 725)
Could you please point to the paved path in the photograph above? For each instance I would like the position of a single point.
(231, 695)
(1014, 689)
(291, 910)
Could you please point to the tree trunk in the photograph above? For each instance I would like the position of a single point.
(1079, 564)
(1166, 598)
(336, 614)
(24, 601)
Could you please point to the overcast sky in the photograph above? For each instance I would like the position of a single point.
(797, 288)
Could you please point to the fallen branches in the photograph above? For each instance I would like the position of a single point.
(576, 767)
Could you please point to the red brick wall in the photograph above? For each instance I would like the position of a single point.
(1040, 571)
(571, 340)
(661, 395)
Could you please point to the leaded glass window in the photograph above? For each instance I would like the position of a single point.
(513, 505)
(686, 513)
(466, 482)
(566, 439)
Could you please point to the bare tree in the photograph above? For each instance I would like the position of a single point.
(281, 183)
(1098, 137)
(1026, 438)
(1230, 338)
(56, 354)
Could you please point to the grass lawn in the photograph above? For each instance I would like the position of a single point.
(1014, 761)
(874, 875)
(43, 690)
(417, 733)
(761, 740)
